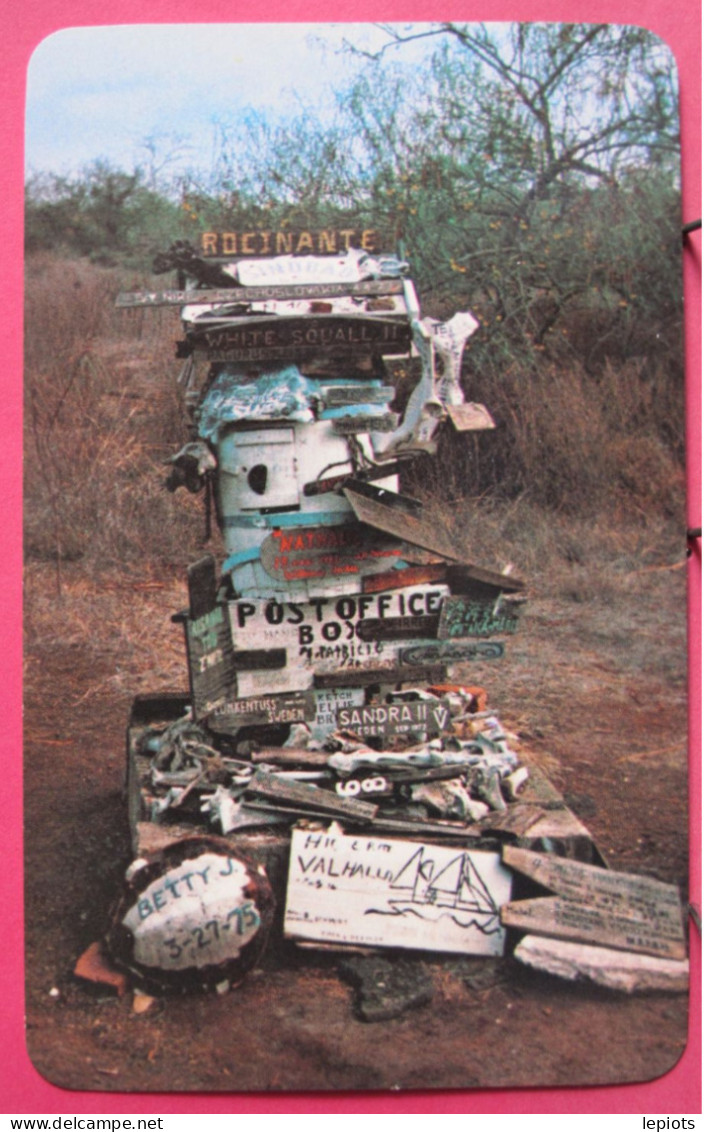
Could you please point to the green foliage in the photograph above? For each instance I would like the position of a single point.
(528, 172)
(105, 213)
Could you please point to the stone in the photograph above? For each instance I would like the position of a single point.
(386, 989)
(618, 970)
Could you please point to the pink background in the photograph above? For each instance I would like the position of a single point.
(21, 1088)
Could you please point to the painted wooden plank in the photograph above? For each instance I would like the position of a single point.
(323, 635)
(348, 426)
(247, 339)
(255, 710)
(307, 553)
(470, 417)
(465, 617)
(414, 528)
(344, 677)
(409, 576)
(210, 660)
(263, 243)
(397, 628)
(245, 660)
(517, 819)
(235, 294)
(202, 586)
(274, 788)
(596, 924)
(394, 893)
(630, 892)
(447, 652)
(290, 756)
(331, 483)
(357, 394)
(387, 720)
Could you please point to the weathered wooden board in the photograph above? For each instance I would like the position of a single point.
(629, 893)
(235, 294)
(596, 924)
(263, 337)
(385, 720)
(341, 678)
(274, 788)
(202, 587)
(268, 242)
(211, 666)
(397, 628)
(518, 818)
(465, 617)
(451, 652)
(336, 396)
(394, 893)
(314, 553)
(348, 426)
(324, 635)
(250, 711)
(331, 483)
(409, 576)
(470, 417)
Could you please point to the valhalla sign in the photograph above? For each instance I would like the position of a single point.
(306, 241)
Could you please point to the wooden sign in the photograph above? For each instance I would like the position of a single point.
(593, 905)
(588, 923)
(284, 292)
(420, 530)
(254, 710)
(470, 417)
(202, 587)
(325, 635)
(348, 426)
(336, 396)
(286, 792)
(397, 628)
(211, 667)
(305, 553)
(465, 617)
(446, 653)
(394, 893)
(384, 720)
(196, 916)
(289, 241)
(269, 338)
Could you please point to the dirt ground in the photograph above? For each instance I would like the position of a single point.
(595, 688)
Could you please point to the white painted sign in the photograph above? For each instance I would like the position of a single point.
(381, 893)
(196, 915)
(324, 634)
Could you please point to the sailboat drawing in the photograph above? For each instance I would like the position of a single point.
(455, 891)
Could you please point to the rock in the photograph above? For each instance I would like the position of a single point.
(94, 966)
(618, 970)
(141, 1002)
(386, 989)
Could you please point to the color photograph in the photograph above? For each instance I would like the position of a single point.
(355, 558)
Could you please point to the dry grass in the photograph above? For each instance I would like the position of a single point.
(102, 414)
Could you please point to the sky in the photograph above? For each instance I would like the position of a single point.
(99, 93)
